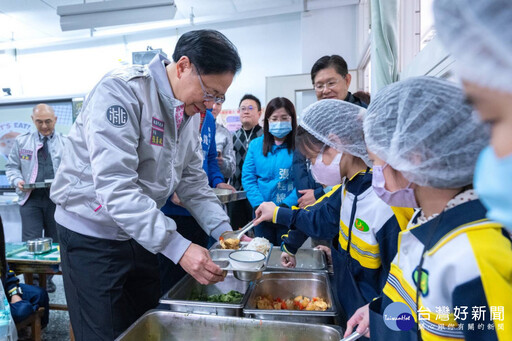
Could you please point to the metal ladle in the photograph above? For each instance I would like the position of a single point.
(237, 234)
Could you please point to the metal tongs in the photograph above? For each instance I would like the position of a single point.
(237, 234)
(352, 337)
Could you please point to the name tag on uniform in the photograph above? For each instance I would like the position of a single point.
(26, 154)
(157, 132)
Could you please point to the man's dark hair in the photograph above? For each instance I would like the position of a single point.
(337, 62)
(254, 98)
(209, 50)
(268, 138)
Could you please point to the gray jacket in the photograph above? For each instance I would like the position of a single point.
(125, 158)
(22, 163)
(224, 141)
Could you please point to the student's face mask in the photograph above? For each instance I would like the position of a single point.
(327, 175)
(280, 129)
(493, 183)
(401, 198)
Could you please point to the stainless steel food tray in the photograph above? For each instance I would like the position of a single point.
(307, 260)
(45, 184)
(178, 298)
(226, 195)
(221, 258)
(289, 285)
(168, 325)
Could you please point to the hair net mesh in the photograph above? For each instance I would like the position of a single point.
(423, 128)
(478, 33)
(338, 124)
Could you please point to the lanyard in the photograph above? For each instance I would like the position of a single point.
(419, 270)
(247, 139)
(353, 214)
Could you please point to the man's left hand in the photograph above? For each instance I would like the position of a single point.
(226, 186)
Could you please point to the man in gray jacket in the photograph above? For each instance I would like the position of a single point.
(35, 157)
(135, 143)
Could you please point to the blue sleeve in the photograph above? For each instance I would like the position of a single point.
(214, 175)
(302, 177)
(319, 221)
(293, 240)
(249, 176)
(11, 281)
(387, 238)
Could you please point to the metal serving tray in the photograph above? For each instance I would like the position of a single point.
(179, 296)
(221, 258)
(307, 260)
(45, 184)
(170, 326)
(226, 195)
(289, 285)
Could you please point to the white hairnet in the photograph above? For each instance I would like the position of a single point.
(478, 33)
(338, 124)
(423, 128)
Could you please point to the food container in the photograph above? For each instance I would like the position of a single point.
(169, 325)
(226, 195)
(179, 297)
(39, 245)
(307, 260)
(289, 285)
(221, 258)
(246, 260)
(42, 184)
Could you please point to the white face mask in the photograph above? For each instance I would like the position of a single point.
(327, 175)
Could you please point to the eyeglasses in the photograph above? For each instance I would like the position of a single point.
(206, 96)
(319, 87)
(274, 119)
(249, 108)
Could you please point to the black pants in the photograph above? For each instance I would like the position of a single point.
(240, 213)
(108, 284)
(37, 215)
(171, 273)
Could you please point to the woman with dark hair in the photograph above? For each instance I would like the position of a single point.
(266, 174)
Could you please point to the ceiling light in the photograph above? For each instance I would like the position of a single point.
(114, 12)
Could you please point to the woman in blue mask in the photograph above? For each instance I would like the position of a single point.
(479, 35)
(365, 227)
(453, 268)
(266, 174)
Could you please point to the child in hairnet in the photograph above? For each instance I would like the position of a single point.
(479, 36)
(453, 269)
(365, 226)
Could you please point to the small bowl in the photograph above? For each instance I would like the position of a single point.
(247, 276)
(39, 245)
(246, 260)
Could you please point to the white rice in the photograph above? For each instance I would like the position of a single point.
(259, 244)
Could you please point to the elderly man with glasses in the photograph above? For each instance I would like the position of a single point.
(135, 142)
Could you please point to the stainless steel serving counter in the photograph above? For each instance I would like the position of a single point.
(170, 326)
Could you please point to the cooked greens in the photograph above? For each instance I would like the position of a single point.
(231, 297)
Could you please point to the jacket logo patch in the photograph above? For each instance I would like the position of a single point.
(117, 116)
(156, 123)
(26, 154)
(361, 225)
(423, 285)
(157, 137)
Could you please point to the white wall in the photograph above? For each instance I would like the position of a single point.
(329, 31)
(271, 46)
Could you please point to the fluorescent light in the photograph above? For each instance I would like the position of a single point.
(114, 12)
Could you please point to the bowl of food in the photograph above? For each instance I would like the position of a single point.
(246, 260)
(259, 244)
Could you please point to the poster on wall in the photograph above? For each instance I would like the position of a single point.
(15, 119)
